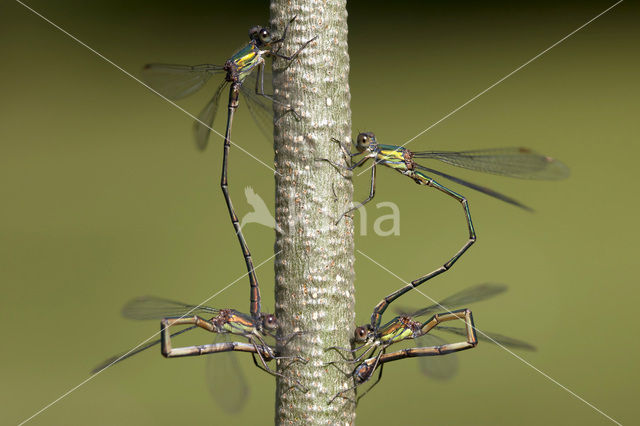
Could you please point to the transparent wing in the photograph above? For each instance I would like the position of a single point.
(514, 162)
(202, 128)
(226, 381)
(465, 297)
(494, 338)
(440, 367)
(152, 307)
(260, 107)
(476, 187)
(124, 355)
(178, 81)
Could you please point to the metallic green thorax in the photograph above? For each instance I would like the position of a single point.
(245, 60)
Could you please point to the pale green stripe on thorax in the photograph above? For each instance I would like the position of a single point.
(391, 156)
(394, 330)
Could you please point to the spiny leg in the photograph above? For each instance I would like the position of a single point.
(295, 55)
(263, 364)
(284, 33)
(260, 82)
(339, 348)
(335, 365)
(370, 349)
(296, 358)
(277, 54)
(259, 89)
(264, 367)
(372, 191)
(288, 338)
(340, 395)
(384, 304)
(358, 380)
(349, 156)
(224, 185)
(346, 152)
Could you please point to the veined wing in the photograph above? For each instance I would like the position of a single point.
(440, 367)
(178, 81)
(514, 162)
(260, 107)
(121, 357)
(494, 338)
(151, 307)
(477, 187)
(226, 380)
(465, 297)
(202, 127)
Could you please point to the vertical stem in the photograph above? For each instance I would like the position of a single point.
(314, 256)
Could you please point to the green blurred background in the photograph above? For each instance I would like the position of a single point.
(105, 198)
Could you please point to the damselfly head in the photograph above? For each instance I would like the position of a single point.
(260, 35)
(269, 321)
(365, 140)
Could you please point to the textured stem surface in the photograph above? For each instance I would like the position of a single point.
(314, 256)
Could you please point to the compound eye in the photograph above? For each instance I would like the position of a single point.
(363, 141)
(270, 321)
(264, 35)
(361, 334)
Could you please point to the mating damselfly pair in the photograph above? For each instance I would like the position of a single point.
(513, 162)
(243, 72)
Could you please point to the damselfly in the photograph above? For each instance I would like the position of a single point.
(221, 322)
(178, 81)
(405, 327)
(438, 368)
(363, 372)
(513, 162)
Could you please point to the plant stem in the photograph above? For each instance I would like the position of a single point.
(314, 257)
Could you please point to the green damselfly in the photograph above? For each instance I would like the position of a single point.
(222, 322)
(430, 346)
(405, 326)
(513, 162)
(178, 81)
